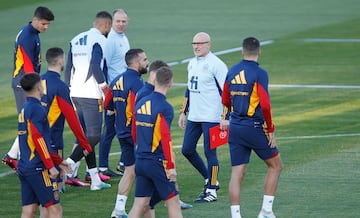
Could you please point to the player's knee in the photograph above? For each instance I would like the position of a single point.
(211, 157)
(187, 152)
(93, 140)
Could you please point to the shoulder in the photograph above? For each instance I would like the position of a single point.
(215, 60)
(26, 34)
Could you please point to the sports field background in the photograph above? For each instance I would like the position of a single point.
(317, 129)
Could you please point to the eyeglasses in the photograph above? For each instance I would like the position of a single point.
(199, 43)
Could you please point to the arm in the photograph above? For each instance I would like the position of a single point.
(265, 106)
(56, 158)
(220, 75)
(69, 67)
(71, 117)
(40, 144)
(130, 107)
(225, 97)
(60, 162)
(166, 142)
(185, 106)
(108, 103)
(26, 49)
(183, 110)
(226, 101)
(28, 65)
(95, 65)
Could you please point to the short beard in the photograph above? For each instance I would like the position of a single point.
(143, 70)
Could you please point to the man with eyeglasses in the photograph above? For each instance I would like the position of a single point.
(202, 102)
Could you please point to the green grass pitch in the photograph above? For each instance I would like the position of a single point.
(317, 129)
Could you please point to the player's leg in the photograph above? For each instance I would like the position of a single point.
(74, 161)
(11, 156)
(77, 153)
(105, 144)
(239, 157)
(165, 188)
(273, 174)
(192, 134)
(274, 166)
(29, 211)
(137, 209)
(92, 114)
(72, 178)
(53, 211)
(28, 198)
(212, 184)
(149, 212)
(183, 205)
(144, 190)
(127, 180)
(173, 206)
(271, 157)
(45, 193)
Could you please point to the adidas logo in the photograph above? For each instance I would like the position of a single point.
(119, 85)
(239, 79)
(82, 41)
(145, 108)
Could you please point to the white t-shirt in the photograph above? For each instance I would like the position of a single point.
(82, 82)
(204, 94)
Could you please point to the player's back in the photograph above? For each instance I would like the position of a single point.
(150, 112)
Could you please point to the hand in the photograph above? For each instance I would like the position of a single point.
(110, 112)
(104, 88)
(182, 120)
(224, 124)
(86, 152)
(272, 141)
(53, 173)
(172, 175)
(65, 166)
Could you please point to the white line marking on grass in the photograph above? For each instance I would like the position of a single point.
(227, 51)
(298, 86)
(332, 40)
(313, 86)
(279, 138)
(6, 173)
(319, 136)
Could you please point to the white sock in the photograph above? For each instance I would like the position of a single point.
(15, 149)
(235, 211)
(94, 173)
(268, 203)
(212, 191)
(76, 169)
(72, 164)
(103, 169)
(120, 202)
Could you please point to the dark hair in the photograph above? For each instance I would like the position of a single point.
(251, 46)
(132, 54)
(29, 81)
(52, 55)
(103, 15)
(44, 13)
(164, 76)
(157, 64)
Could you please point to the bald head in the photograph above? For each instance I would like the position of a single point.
(201, 44)
(202, 36)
